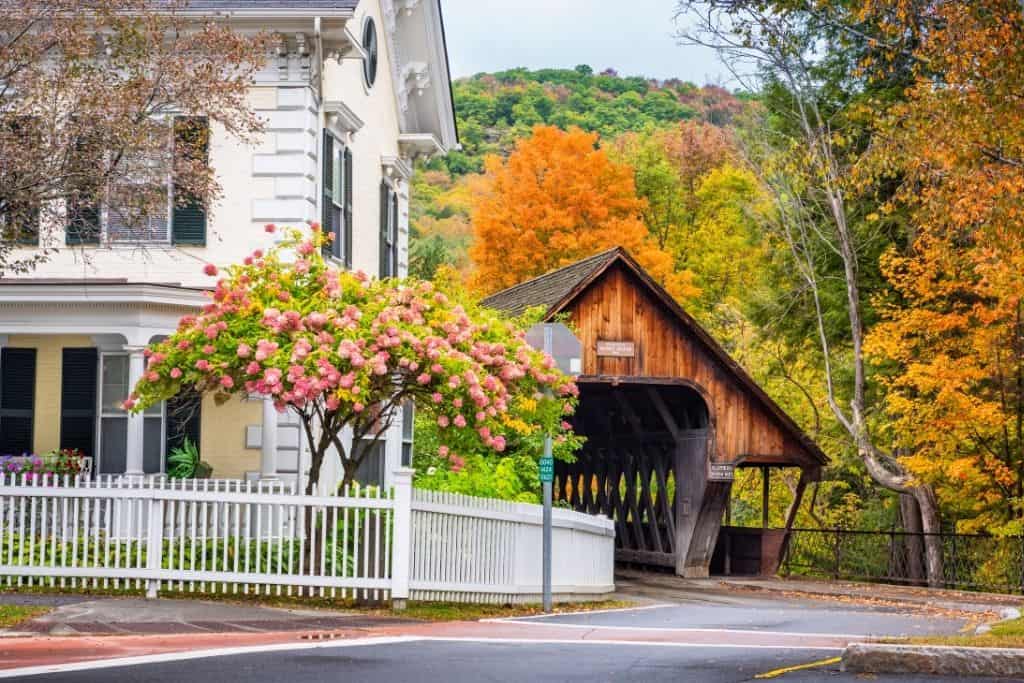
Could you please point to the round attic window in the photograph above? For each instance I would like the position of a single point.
(370, 45)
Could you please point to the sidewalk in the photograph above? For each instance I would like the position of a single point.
(84, 615)
(667, 586)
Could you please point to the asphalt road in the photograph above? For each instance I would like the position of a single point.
(769, 616)
(699, 637)
(428, 661)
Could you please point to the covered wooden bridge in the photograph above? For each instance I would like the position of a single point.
(668, 416)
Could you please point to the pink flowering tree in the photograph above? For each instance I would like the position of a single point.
(343, 350)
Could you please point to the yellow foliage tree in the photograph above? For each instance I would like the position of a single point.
(953, 336)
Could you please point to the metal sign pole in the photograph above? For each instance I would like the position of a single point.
(558, 341)
(547, 533)
(548, 460)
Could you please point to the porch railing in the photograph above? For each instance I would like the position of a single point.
(970, 561)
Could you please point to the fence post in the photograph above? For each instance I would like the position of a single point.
(835, 554)
(401, 558)
(154, 544)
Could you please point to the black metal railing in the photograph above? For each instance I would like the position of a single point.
(969, 561)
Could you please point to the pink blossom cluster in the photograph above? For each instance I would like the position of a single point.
(313, 337)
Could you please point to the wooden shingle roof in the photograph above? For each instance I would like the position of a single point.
(550, 289)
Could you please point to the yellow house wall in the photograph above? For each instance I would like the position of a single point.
(222, 436)
(46, 423)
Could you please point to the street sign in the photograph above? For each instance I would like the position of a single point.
(560, 343)
(547, 470)
(721, 471)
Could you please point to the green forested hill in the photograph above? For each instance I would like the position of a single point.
(495, 109)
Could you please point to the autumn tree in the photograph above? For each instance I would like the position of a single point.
(88, 94)
(556, 199)
(669, 164)
(805, 159)
(952, 337)
(344, 352)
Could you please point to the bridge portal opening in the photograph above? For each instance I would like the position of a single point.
(643, 465)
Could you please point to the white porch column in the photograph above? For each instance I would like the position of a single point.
(136, 421)
(268, 442)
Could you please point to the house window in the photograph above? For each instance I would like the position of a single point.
(19, 223)
(388, 231)
(113, 421)
(17, 400)
(408, 428)
(126, 210)
(337, 198)
(371, 48)
(371, 470)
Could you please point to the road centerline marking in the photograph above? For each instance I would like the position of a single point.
(775, 673)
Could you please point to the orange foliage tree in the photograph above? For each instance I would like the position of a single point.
(556, 199)
(953, 334)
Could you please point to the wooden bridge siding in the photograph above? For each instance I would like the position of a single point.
(616, 308)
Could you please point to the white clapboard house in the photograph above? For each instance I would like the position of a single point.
(353, 92)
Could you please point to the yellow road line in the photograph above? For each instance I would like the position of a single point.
(799, 667)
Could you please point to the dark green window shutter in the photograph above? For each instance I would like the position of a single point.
(17, 400)
(19, 210)
(385, 202)
(327, 195)
(78, 400)
(347, 209)
(83, 205)
(393, 233)
(188, 220)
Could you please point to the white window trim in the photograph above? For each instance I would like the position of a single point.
(101, 413)
(340, 145)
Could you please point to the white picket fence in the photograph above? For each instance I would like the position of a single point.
(266, 538)
(467, 549)
(195, 535)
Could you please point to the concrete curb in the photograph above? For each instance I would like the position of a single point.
(878, 658)
(1005, 614)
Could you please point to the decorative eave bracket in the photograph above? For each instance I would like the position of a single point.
(414, 78)
(341, 44)
(395, 8)
(396, 168)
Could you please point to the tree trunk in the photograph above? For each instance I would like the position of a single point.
(910, 514)
(903, 482)
(929, 507)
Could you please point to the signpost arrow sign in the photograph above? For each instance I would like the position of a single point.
(559, 342)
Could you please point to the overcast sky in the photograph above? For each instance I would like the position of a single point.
(633, 37)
